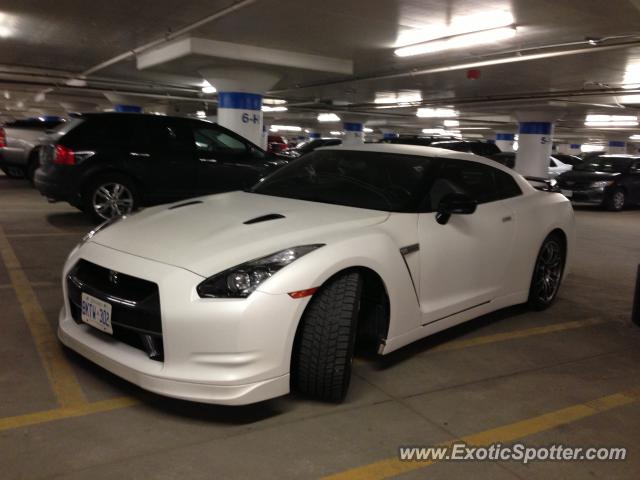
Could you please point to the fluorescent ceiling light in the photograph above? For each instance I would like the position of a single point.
(635, 137)
(451, 123)
(273, 101)
(611, 121)
(367, 130)
(207, 87)
(458, 41)
(456, 24)
(267, 108)
(335, 133)
(629, 99)
(201, 114)
(285, 128)
(398, 98)
(436, 113)
(591, 148)
(328, 117)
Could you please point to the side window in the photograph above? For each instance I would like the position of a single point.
(101, 131)
(211, 140)
(507, 186)
(169, 136)
(551, 162)
(480, 182)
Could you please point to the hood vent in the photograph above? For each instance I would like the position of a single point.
(185, 204)
(264, 218)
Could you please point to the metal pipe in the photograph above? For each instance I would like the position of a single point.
(465, 66)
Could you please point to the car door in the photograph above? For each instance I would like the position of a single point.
(464, 262)
(634, 183)
(225, 161)
(167, 154)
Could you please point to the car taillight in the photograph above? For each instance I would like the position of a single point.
(3, 138)
(64, 156)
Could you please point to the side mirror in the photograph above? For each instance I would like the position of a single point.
(455, 204)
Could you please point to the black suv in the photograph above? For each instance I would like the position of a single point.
(108, 164)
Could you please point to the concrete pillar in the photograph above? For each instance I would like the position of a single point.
(617, 146)
(353, 134)
(504, 141)
(534, 146)
(240, 93)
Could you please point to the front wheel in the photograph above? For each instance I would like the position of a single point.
(547, 273)
(323, 351)
(616, 200)
(110, 196)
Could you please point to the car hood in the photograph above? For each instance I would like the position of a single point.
(209, 234)
(585, 176)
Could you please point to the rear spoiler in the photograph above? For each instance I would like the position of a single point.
(544, 184)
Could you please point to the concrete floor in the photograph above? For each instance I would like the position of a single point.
(509, 370)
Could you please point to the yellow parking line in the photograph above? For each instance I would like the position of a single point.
(528, 332)
(391, 467)
(18, 421)
(63, 380)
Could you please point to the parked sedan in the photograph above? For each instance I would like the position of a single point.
(612, 181)
(111, 163)
(238, 297)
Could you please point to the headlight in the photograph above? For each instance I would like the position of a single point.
(100, 227)
(602, 184)
(242, 280)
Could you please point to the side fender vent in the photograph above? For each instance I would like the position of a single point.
(264, 218)
(185, 204)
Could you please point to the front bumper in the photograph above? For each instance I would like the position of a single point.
(223, 351)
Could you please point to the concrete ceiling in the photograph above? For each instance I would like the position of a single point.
(43, 44)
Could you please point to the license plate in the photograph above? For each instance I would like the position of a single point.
(567, 193)
(96, 313)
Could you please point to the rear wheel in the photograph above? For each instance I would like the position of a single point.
(547, 273)
(616, 200)
(323, 351)
(109, 196)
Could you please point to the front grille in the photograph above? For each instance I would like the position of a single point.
(135, 314)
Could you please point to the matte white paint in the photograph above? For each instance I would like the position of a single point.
(238, 351)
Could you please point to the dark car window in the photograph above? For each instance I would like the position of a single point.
(103, 131)
(212, 140)
(372, 180)
(168, 135)
(605, 164)
(480, 182)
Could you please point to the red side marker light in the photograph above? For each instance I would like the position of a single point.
(303, 293)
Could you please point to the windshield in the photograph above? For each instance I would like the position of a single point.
(605, 164)
(372, 180)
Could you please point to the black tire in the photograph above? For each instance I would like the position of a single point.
(547, 272)
(323, 351)
(93, 189)
(13, 172)
(615, 200)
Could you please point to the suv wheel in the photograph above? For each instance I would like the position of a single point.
(110, 196)
(323, 352)
(616, 200)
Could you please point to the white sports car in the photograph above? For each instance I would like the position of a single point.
(239, 297)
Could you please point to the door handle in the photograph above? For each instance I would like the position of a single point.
(139, 154)
(208, 160)
(507, 218)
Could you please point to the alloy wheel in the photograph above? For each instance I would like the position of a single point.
(618, 200)
(112, 200)
(549, 271)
